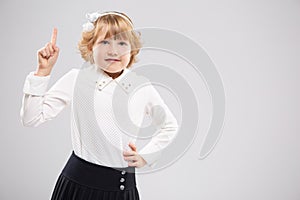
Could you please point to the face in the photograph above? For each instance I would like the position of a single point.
(111, 54)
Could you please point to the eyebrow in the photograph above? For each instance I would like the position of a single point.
(113, 39)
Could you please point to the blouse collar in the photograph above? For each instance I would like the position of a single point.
(104, 79)
(105, 76)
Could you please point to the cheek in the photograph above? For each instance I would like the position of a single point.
(98, 51)
(126, 57)
(98, 55)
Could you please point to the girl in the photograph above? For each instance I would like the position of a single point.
(100, 165)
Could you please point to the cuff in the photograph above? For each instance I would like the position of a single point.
(36, 85)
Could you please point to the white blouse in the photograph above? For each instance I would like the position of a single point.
(106, 146)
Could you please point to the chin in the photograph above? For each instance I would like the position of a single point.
(113, 70)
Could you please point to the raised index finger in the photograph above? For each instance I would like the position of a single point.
(54, 36)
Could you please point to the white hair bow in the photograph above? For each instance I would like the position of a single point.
(92, 17)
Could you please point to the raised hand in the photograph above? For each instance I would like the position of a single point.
(47, 56)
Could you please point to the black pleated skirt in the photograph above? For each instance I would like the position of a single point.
(83, 180)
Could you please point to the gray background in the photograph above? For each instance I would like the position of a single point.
(255, 46)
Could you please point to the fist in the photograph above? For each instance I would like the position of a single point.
(133, 158)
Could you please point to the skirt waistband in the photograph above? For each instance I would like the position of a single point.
(99, 176)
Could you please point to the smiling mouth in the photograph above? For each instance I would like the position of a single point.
(112, 60)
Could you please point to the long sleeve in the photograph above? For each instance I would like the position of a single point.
(165, 122)
(40, 105)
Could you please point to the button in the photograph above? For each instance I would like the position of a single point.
(99, 87)
(122, 180)
(123, 172)
(122, 187)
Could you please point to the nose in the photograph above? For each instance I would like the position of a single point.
(112, 50)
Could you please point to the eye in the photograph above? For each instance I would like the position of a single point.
(123, 43)
(104, 42)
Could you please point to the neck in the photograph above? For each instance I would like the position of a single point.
(115, 74)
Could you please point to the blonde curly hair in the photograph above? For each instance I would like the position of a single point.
(110, 25)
